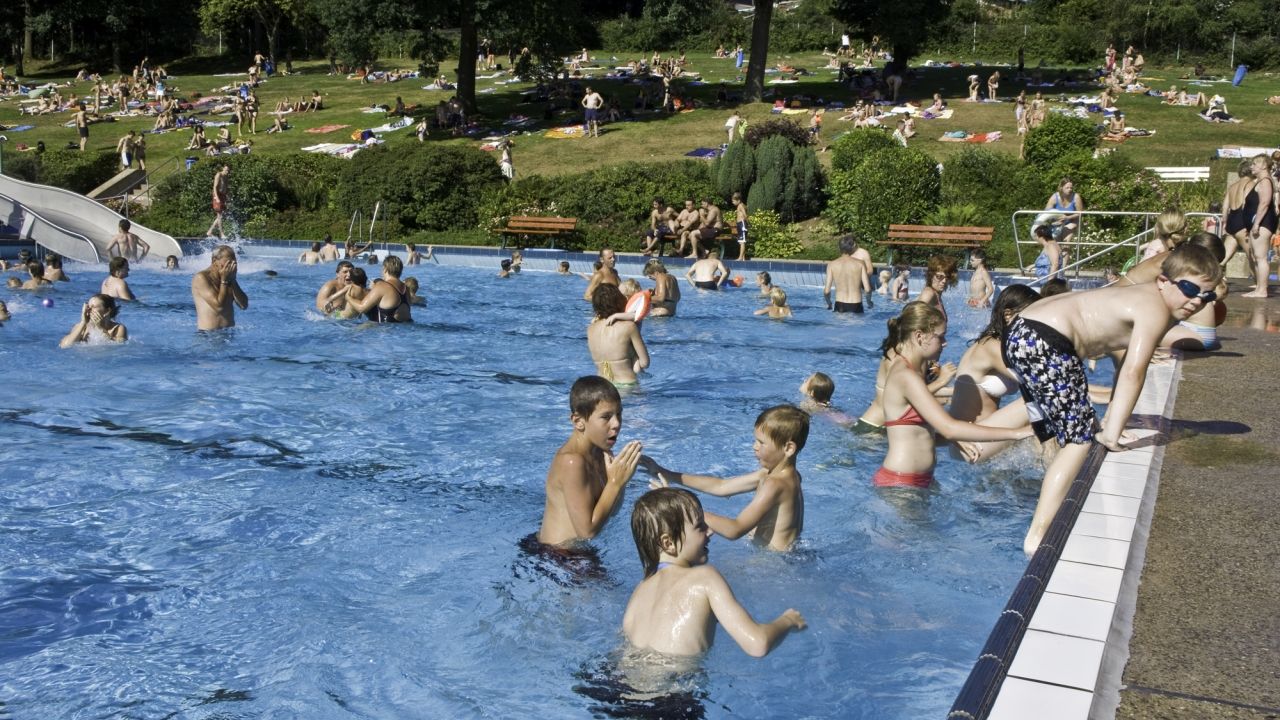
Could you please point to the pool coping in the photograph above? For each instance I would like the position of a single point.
(1058, 650)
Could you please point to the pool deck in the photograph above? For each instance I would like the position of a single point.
(1206, 631)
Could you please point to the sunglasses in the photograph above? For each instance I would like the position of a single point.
(1192, 290)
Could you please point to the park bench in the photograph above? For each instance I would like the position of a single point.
(526, 225)
(1181, 174)
(937, 236)
(723, 235)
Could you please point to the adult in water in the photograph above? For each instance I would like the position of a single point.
(919, 334)
(216, 291)
(666, 288)
(605, 275)
(941, 274)
(616, 347)
(388, 300)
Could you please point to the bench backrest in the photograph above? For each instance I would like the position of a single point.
(943, 233)
(534, 222)
(1181, 174)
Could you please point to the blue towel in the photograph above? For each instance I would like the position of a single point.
(704, 153)
(20, 128)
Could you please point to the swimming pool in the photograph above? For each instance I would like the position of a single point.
(305, 518)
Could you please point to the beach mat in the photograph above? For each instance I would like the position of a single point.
(325, 129)
(571, 131)
(704, 153)
(974, 138)
(20, 128)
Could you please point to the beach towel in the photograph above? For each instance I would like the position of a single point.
(20, 128)
(704, 153)
(325, 129)
(961, 136)
(944, 115)
(572, 131)
(783, 81)
(1237, 152)
(397, 124)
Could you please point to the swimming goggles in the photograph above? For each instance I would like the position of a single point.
(1191, 290)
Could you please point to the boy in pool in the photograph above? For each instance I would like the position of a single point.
(775, 515)
(981, 289)
(35, 269)
(586, 480)
(675, 608)
(564, 268)
(818, 389)
(777, 308)
(1047, 345)
(114, 284)
(505, 271)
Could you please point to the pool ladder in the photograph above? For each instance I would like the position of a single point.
(356, 227)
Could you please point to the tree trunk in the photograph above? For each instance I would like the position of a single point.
(759, 50)
(467, 47)
(273, 38)
(28, 35)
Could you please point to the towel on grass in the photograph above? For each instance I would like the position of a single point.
(20, 128)
(962, 136)
(1237, 152)
(571, 131)
(397, 124)
(325, 129)
(704, 153)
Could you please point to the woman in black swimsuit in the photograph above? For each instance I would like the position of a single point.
(1235, 225)
(1260, 209)
(388, 300)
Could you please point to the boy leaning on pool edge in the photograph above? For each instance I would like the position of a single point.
(1048, 342)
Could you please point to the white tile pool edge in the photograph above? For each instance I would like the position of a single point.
(1071, 659)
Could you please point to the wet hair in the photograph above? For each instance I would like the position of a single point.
(848, 243)
(915, 317)
(110, 308)
(412, 284)
(597, 264)
(1044, 232)
(1056, 286)
(821, 387)
(125, 225)
(607, 299)
(778, 296)
(944, 265)
(117, 264)
(1013, 299)
(344, 264)
(979, 254)
(315, 247)
(661, 512)
(53, 260)
(505, 263)
(358, 277)
(784, 424)
(1188, 259)
(36, 268)
(172, 258)
(564, 264)
(1210, 242)
(589, 391)
(1171, 227)
(223, 252)
(629, 287)
(393, 266)
(13, 282)
(764, 277)
(652, 266)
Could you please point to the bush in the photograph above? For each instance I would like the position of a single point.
(735, 170)
(23, 167)
(893, 185)
(77, 171)
(996, 185)
(964, 215)
(1057, 137)
(773, 165)
(759, 132)
(770, 238)
(804, 197)
(181, 201)
(849, 149)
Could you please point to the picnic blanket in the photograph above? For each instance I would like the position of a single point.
(325, 129)
(704, 153)
(397, 124)
(783, 81)
(944, 115)
(962, 136)
(20, 128)
(788, 111)
(1243, 151)
(571, 131)
(1206, 118)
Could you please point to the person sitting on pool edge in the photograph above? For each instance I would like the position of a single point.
(775, 515)
(114, 283)
(97, 320)
(216, 291)
(675, 608)
(586, 480)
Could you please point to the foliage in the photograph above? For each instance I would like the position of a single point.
(181, 201)
(735, 170)
(893, 185)
(773, 171)
(849, 148)
(1058, 136)
(23, 167)
(996, 185)
(903, 25)
(962, 215)
(770, 238)
(759, 132)
(77, 171)
(804, 196)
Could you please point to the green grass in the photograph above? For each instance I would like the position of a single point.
(1181, 139)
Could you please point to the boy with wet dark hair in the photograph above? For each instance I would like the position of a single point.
(586, 480)
(675, 608)
(114, 284)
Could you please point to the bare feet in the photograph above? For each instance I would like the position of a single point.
(1255, 294)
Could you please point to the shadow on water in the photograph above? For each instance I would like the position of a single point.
(221, 695)
(666, 691)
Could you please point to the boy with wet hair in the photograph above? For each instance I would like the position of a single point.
(1049, 341)
(114, 284)
(819, 387)
(675, 608)
(777, 308)
(775, 515)
(586, 480)
(35, 269)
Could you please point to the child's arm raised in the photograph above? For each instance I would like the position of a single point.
(720, 487)
(755, 639)
(587, 513)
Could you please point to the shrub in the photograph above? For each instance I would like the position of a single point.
(770, 238)
(23, 167)
(804, 196)
(954, 216)
(735, 170)
(77, 171)
(849, 149)
(1057, 137)
(761, 131)
(996, 185)
(893, 185)
(181, 201)
(773, 165)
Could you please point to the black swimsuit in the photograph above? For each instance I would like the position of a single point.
(1250, 209)
(379, 315)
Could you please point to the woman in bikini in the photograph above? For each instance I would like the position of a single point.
(1259, 214)
(941, 274)
(388, 300)
(616, 347)
(919, 335)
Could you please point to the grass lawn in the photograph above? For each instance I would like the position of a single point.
(1181, 139)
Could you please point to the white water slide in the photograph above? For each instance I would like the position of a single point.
(70, 224)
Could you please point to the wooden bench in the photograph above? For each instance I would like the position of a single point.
(1181, 174)
(724, 233)
(526, 225)
(937, 236)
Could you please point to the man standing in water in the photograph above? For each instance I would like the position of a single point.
(606, 275)
(215, 289)
(219, 200)
(848, 275)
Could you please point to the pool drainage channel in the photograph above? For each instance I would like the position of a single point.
(1058, 649)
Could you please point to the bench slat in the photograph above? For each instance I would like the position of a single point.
(909, 243)
(939, 236)
(947, 228)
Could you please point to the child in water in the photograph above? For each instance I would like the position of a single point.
(777, 308)
(675, 608)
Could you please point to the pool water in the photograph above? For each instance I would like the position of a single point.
(309, 518)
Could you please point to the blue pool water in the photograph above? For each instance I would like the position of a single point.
(306, 518)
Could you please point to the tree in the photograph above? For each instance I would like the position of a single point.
(218, 14)
(759, 50)
(904, 25)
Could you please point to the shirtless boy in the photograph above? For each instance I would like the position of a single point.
(708, 273)
(708, 227)
(1048, 342)
(981, 289)
(325, 302)
(740, 213)
(666, 289)
(586, 481)
(604, 275)
(37, 280)
(126, 244)
(312, 256)
(215, 289)
(675, 608)
(687, 223)
(662, 218)
(328, 251)
(775, 515)
(114, 284)
(848, 275)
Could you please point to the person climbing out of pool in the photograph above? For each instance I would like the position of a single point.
(615, 344)
(216, 291)
(666, 289)
(708, 273)
(850, 277)
(387, 301)
(1048, 342)
(97, 320)
(586, 480)
(775, 515)
(675, 608)
(127, 244)
(919, 334)
(605, 274)
(327, 298)
(114, 283)
(940, 274)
